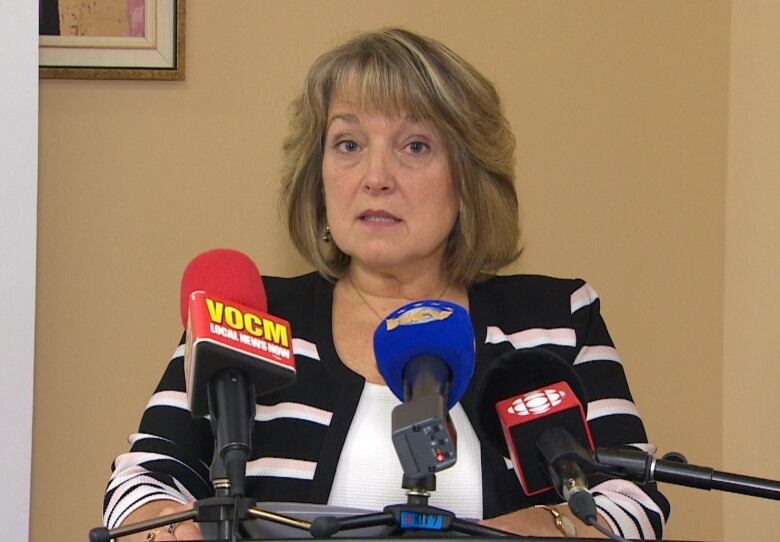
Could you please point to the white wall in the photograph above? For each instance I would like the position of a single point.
(18, 200)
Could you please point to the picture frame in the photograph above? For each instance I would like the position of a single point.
(157, 54)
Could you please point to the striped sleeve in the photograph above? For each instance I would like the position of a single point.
(167, 459)
(171, 454)
(633, 511)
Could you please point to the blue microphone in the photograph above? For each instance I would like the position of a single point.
(425, 352)
(439, 329)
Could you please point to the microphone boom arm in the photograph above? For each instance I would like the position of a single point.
(643, 468)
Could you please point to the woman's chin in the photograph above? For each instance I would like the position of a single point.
(389, 262)
(388, 256)
(379, 262)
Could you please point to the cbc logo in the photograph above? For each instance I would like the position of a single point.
(536, 402)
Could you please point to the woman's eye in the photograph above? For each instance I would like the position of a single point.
(347, 146)
(417, 147)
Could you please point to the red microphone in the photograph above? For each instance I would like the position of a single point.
(525, 417)
(521, 396)
(225, 273)
(234, 352)
(223, 306)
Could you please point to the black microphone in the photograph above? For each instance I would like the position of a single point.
(530, 404)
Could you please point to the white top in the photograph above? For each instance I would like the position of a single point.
(369, 473)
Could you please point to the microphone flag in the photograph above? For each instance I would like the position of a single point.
(222, 334)
(526, 417)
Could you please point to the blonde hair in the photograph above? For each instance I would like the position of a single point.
(393, 71)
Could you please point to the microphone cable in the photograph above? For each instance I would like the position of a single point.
(234, 533)
(583, 506)
(606, 532)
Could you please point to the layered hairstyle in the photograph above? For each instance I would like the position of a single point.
(394, 72)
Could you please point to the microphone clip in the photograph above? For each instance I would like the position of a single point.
(567, 461)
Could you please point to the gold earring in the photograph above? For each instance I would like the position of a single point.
(327, 236)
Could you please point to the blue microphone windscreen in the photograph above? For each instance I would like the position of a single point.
(428, 327)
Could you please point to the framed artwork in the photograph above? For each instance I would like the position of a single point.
(111, 39)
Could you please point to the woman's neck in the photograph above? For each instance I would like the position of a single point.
(408, 286)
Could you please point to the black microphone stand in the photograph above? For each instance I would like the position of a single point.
(674, 469)
(424, 441)
(415, 515)
(222, 509)
(631, 464)
(231, 409)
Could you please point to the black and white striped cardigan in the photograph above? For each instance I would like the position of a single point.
(299, 431)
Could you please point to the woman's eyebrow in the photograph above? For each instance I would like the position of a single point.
(346, 117)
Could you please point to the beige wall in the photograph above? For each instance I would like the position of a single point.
(621, 115)
(752, 260)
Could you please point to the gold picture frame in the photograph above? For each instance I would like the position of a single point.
(157, 55)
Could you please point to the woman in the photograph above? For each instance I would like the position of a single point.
(399, 185)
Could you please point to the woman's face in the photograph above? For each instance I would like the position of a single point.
(390, 199)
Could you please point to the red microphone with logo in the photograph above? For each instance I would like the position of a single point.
(234, 351)
(524, 418)
(521, 397)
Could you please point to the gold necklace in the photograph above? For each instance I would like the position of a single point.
(372, 309)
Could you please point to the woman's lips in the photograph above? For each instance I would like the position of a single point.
(379, 217)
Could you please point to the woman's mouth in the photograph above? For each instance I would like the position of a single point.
(378, 217)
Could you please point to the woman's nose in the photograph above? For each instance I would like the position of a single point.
(379, 175)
